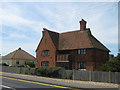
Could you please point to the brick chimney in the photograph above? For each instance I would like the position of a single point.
(82, 24)
(19, 48)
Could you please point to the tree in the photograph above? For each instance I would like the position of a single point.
(112, 65)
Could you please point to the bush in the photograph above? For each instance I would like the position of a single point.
(4, 64)
(112, 65)
(48, 71)
(27, 66)
(27, 71)
(18, 66)
(31, 64)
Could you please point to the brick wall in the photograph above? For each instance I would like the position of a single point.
(93, 58)
(46, 44)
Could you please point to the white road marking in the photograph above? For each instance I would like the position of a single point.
(7, 87)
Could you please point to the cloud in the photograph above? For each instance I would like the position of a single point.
(28, 19)
(59, 0)
(13, 15)
(18, 36)
(66, 18)
(15, 21)
(27, 46)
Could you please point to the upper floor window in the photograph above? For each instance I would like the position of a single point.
(46, 53)
(82, 51)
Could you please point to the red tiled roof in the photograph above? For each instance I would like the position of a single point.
(75, 40)
(79, 39)
(55, 38)
(19, 54)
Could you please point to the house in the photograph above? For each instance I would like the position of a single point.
(77, 49)
(18, 57)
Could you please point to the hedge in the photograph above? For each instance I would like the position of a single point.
(49, 71)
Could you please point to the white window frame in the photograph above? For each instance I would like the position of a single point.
(81, 51)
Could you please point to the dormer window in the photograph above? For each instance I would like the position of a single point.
(82, 51)
(46, 53)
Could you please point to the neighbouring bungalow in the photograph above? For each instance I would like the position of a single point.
(18, 57)
(77, 49)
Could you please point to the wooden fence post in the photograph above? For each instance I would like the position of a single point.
(90, 75)
(116, 77)
(73, 74)
(109, 77)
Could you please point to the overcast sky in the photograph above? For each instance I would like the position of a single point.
(22, 22)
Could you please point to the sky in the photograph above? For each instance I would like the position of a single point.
(21, 23)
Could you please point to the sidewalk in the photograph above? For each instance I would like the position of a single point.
(63, 82)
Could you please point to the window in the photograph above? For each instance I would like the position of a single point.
(63, 64)
(46, 53)
(45, 63)
(82, 51)
(81, 65)
(17, 62)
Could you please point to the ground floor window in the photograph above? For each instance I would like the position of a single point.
(17, 62)
(44, 63)
(63, 64)
(81, 65)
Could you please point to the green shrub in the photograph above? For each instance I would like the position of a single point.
(27, 66)
(32, 71)
(4, 64)
(112, 65)
(27, 71)
(48, 71)
(31, 64)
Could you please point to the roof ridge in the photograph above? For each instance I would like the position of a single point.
(49, 30)
(69, 31)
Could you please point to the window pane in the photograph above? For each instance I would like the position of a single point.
(79, 51)
(46, 53)
(81, 65)
(17, 62)
(82, 51)
(45, 63)
(63, 64)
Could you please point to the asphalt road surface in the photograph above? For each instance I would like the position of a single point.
(19, 84)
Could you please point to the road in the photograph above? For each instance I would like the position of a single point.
(9, 83)
(12, 81)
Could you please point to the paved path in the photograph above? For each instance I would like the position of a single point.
(64, 82)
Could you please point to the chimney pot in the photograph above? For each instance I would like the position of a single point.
(19, 48)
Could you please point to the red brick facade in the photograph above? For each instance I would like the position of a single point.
(62, 52)
(46, 44)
